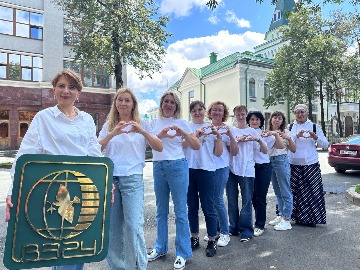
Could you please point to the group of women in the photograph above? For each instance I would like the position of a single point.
(195, 161)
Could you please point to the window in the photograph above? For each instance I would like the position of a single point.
(252, 90)
(20, 67)
(266, 89)
(90, 76)
(21, 23)
(70, 32)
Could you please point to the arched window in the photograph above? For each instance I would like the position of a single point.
(266, 89)
(252, 88)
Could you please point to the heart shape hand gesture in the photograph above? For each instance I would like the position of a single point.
(164, 133)
(305, 134)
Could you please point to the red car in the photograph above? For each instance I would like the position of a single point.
(345, 155)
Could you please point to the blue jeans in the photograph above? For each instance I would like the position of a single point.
(78, 266)
(202, 185)
(261, 187)
(240, 222)
(127, 248)
(222, 176)
(280, 179)
(172, 176)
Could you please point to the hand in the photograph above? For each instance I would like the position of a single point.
(8, 206)
(247, 138)
(284, 136)
(305, 134)
(135, 127)
(265, 133)
(119, 129)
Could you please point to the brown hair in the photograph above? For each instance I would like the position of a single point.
(240, 108)
(114, 118)
(177, 113)
(226, 110)
(283, 124)
(196, 102)
(71, 76)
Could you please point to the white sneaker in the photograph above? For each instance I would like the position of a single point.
(179, 263)
(153, 255)
(258, 232)
(283, 225)
(224, 240)
(275, 221)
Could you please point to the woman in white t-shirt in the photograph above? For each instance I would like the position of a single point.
(218, 112)
(202, 176)
(171, 174)
(256, 120)
(242, 174)
(124, 137)
(281, 170)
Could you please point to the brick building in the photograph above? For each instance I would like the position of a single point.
(35, 42)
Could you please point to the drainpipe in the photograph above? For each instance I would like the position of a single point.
(246, 85)
(204, 91)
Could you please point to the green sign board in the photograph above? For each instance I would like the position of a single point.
(61, 211)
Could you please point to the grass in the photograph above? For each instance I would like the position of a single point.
(6, 164)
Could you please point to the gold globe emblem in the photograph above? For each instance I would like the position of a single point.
(63, 203)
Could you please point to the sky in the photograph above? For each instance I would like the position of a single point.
(234, 26)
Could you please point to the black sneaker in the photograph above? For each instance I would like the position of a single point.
(211, 248)
(194, 242)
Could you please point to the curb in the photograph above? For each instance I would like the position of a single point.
(353, 196)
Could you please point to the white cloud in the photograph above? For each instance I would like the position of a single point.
(232, 18)
(191, 52)
(181, 8)
(146, 104)
(213, 19)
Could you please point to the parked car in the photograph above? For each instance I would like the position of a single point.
(345, 155)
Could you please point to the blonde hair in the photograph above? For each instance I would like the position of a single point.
(71, 76)
(113, 117)
(177, 113)
(226, 110)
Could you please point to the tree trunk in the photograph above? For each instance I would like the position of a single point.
(358, 128)
(118, 65)
(338, 115)
(322, 107)
(310, 116)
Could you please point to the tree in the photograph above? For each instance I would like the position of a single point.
(117, 32)
(212, 4)
(313, 58)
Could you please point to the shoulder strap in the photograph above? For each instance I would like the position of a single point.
(290, 127)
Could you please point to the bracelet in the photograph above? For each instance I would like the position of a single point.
(217, 139)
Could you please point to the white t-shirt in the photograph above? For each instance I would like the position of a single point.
(243, 164)
(127, 151)
(172, 147)
(204, 157)
(224, 160)
(282, 151)
(52, 133)
(259, 157)
(306, 153)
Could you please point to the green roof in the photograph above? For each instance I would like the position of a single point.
(226, 63)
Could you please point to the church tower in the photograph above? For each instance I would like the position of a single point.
(273, 40)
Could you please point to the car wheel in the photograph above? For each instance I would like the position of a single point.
(339, 170)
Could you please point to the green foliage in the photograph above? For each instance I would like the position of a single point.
(314, 55)
(117, 32)
(357, 188)
(212, 4)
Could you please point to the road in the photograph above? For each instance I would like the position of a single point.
(334, 246)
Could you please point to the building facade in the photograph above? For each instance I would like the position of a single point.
(36, 42)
